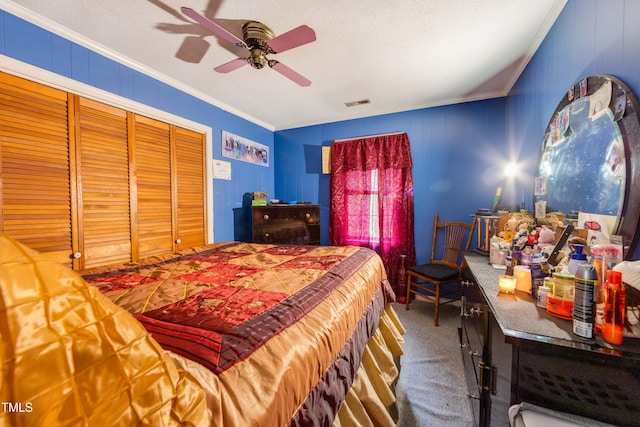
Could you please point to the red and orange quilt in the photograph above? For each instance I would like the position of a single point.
(218, 305)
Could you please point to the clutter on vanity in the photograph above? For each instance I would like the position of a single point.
(537, 357)
(582, 283)
(561, 310)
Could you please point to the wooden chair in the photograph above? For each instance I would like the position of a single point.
(427, 280)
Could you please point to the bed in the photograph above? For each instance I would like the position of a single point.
(248, 334)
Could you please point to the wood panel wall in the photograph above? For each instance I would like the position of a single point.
(92, 184)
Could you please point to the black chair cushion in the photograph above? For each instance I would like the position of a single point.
(437, 272)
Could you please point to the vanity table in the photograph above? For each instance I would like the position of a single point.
(516, 352)
(513, 350)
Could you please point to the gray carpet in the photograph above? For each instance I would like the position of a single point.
(431, 390)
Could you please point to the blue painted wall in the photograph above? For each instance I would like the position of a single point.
(458, 150)
(453, 150)
(590, 37)
(28, 43)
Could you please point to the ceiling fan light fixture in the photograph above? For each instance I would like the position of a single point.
(257, 58)
(359, 102)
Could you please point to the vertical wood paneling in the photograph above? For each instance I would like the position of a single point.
(34, 160)
(103, 176)
(153, 174)
(190, 180)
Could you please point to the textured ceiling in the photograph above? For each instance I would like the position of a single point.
(400, 55)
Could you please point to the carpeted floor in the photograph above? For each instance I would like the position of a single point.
(431, 390)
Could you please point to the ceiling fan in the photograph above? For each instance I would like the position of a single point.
(260, 41)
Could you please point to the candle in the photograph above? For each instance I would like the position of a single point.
(507, 284)
(523, 278)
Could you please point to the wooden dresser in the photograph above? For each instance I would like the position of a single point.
(290, 224)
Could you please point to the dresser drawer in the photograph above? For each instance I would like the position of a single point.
(293, 224)
(309, 214)
(471, 345)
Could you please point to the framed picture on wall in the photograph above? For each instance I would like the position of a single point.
(245, 150)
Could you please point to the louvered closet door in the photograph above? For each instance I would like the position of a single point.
(36, 178)
(103, 174)
(151, 144)
(190, 178)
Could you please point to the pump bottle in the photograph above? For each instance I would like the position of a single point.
(577, 258)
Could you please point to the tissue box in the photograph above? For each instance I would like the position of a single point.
(259, 198)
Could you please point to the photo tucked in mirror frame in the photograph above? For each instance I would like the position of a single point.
(590, 158)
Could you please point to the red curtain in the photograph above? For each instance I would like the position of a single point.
(372, 198)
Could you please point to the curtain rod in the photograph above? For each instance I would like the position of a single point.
(367, 136)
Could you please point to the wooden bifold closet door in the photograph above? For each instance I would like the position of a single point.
(190, 176)
(36, 187)
(102, 170)
(152, 160)
(85, 178)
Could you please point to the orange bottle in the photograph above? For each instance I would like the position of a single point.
(614, 307)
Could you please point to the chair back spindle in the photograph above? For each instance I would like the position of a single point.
(456, 238)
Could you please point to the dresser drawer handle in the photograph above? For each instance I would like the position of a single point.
(265, 216)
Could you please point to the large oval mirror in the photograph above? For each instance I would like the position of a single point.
(590, 156)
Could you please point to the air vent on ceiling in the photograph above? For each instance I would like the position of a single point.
(360, 102)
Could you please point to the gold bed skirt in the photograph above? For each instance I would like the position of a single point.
(372, 393)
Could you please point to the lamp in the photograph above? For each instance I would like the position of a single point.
(511, 171)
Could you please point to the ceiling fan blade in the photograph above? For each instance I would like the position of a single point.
(293, 38)
(212, 26)
(289, 73)
(231, 65)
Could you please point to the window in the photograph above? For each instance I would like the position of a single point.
(372, 197)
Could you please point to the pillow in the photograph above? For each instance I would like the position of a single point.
(72, 357)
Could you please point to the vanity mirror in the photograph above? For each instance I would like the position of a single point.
(590, 156)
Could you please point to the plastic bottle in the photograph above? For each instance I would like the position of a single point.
(586, 280)
(509, 265)
(602, 266)
(577, 258)
(516, 258)
(543, 294)
(614, 306)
